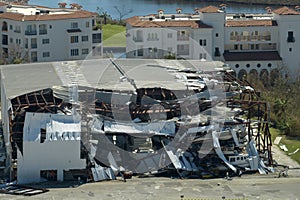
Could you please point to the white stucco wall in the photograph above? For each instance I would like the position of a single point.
(59, 154)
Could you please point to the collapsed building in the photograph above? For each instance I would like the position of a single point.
(95, 119)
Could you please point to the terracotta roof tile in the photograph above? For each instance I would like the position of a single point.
(136, 22)
(72, 15)
(209, 9)
(251, 56)
(285, 11)
(242, 23)
(2, 4)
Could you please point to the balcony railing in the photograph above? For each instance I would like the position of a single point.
(74, 30)
(43, 32)
(183, 52)
(138, 39)
(31, 32)
(182, 38)
(17, 31)
(291, 39)
(152, 39)
(33, 46)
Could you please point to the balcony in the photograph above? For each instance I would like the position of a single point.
(138, 39)
(17, 31)
(291, 39)
(74, 30)
(152, 39)
(183, 37)
(30, 32)
(43, 32)
(33, 46)
(5, 42)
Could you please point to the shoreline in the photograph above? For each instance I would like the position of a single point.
(260, 2)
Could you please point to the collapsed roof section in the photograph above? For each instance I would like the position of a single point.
(139, 115)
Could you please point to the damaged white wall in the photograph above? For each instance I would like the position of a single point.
(60, 151)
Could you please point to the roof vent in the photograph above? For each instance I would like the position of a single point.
(172, 16)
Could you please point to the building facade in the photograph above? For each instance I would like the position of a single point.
(41, 34)
(256, 44)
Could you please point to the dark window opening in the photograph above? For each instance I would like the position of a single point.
(50, 175)
(291, 37)
(217, 52)
(43, 135)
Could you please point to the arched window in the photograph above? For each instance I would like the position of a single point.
(253, 75)
(245, 35)
(234, 35)
(266, 35)
(264, 76)
(242, 74)
(255, 35)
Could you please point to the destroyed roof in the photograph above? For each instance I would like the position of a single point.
(96, 73)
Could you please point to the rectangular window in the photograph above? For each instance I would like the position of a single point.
(202, 56)
(97, 38)
(46, 41)
(291, 37)
(170, 35)
(236, 47)
(85, 51)
(46, 54)
(74, 39)
(74, 52)
(170, 49)
(10, 27)
(33, 43)
(74, 25)
(87, 24)
(11, 40)
(202, 42)
(140, 51)
(85, 38)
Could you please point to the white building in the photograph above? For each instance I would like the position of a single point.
(260, 44)
(38, 34)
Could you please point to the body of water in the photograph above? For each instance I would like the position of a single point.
(145, 7)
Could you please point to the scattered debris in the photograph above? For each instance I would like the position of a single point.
(21, 190)
(292, 153)
(283, 147)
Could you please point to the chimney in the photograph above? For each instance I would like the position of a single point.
(196, 11)
(269, 10)
(178, 10)
(62, 5)
(160, 13)
(223, 7)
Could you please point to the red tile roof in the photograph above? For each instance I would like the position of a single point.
(2, 4)
(251, 56)
(285, 11)
(242, 23)
(72, 15)
(209, 9)
(137, 22)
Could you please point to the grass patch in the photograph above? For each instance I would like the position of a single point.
(114, 35)
(291, 143)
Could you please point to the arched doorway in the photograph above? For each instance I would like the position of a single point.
(242, 74)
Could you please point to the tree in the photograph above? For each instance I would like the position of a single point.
(103, 14)
(122, 12)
